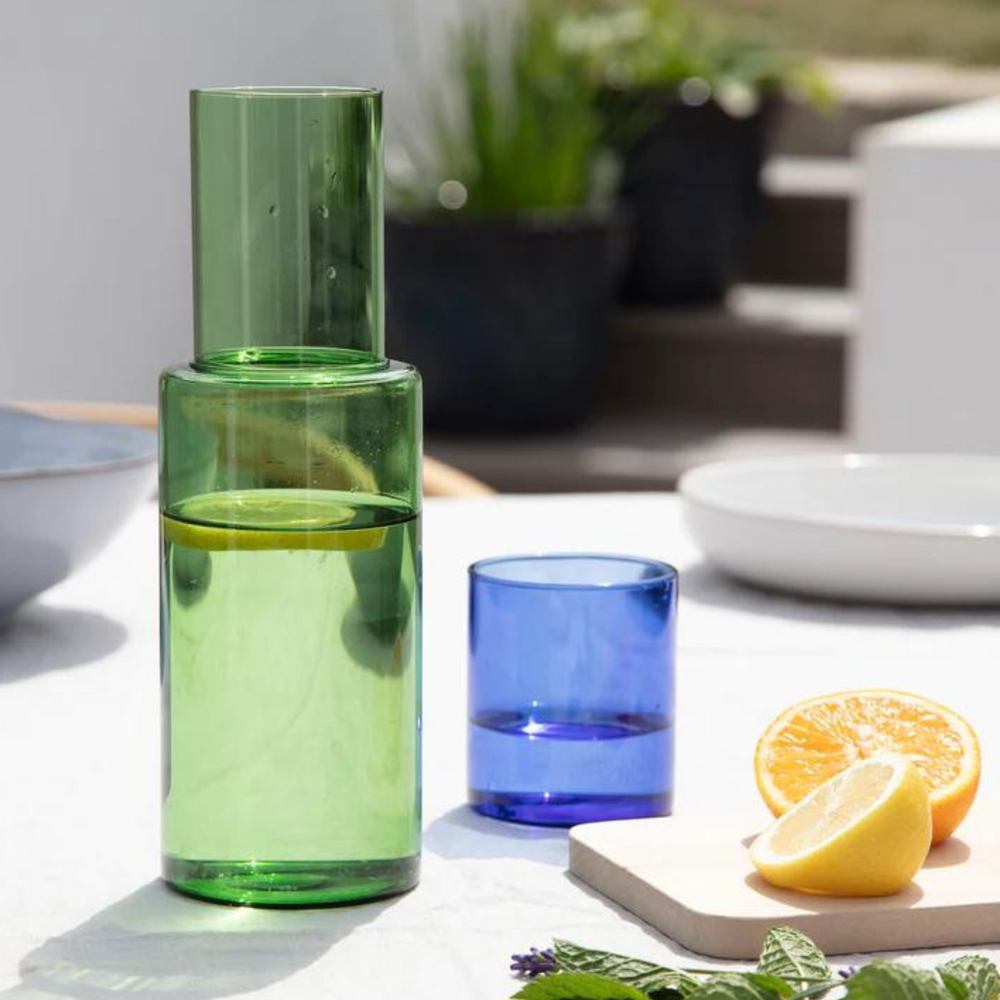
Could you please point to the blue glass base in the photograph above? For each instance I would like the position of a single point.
(567, 810)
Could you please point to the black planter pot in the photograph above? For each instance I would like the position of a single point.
(507, 321)
(690, 185)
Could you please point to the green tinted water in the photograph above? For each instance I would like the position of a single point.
(291, 696)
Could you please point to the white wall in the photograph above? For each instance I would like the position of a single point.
(95, 289)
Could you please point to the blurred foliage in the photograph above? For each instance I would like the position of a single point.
(678, 45)
(526, 119)
(515, 125)
(956, 30)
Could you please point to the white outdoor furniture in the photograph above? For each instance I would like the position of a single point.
(927, 244)
(83, 915)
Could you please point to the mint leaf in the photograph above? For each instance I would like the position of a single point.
(889, 981)
(659, 982)
(790, 955)
(733, 986)
(578, 986)
(791, 968)
(773, 983)
(956, 987)
(977, 974)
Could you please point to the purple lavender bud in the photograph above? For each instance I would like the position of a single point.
(537, 962)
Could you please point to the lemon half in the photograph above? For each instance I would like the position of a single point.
(865, 832)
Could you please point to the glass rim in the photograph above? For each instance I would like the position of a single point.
(287, 91)
(279, 363)
(665, 573)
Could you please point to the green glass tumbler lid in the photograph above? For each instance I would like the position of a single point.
(287, 218)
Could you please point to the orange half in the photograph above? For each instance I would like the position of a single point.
(817, 739)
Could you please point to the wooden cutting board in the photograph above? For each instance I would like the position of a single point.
(693, 880)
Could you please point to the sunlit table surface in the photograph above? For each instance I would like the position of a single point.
(82, 913)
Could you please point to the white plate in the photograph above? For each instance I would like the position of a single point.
(898, 529)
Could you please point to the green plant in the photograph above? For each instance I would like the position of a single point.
(791, 967)
(515, 128)
(656, 45)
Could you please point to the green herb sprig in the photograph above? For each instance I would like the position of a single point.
(791, 967)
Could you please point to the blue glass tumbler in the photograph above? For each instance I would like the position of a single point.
(571, 688)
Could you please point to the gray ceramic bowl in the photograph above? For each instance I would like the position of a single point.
(65, 489)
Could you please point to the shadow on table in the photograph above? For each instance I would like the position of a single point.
(462, 833)
(157, 943)
(40, 638)
(701, 583)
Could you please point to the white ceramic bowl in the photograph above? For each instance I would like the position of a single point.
(65, 489)
(897, 529)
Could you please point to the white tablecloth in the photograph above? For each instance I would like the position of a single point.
(83, 915)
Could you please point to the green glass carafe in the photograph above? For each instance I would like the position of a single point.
(290, 528)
